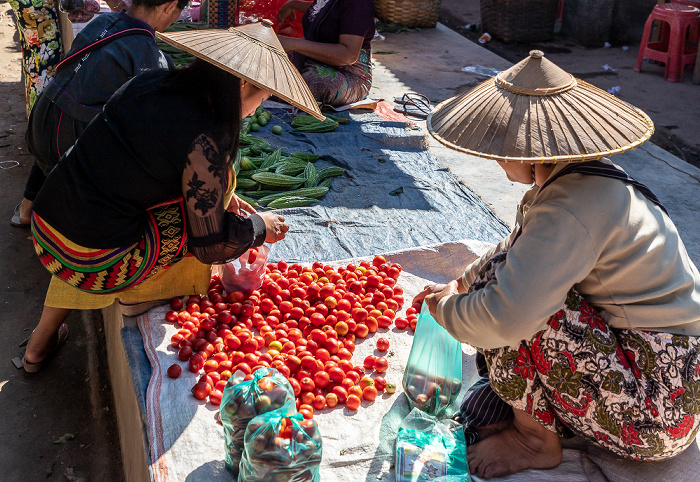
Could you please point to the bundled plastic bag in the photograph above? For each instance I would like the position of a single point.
(246, 273)
(433, 375)
(280, 447)
(430, 449)
(244, 400)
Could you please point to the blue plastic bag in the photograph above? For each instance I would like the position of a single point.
(433, 375)
(280, 447)
(242, 401)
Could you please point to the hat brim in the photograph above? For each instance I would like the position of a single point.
(582, 123)
(263, 65)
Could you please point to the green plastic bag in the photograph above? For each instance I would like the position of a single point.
(280, 447)
(428, 449)
(244, 400)
(433, 375)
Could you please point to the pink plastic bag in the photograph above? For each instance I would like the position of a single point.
(241, 274)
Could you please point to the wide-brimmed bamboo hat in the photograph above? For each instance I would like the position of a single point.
(537, 112)
(252, 52)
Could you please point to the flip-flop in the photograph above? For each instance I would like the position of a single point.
(413, 98)
(15, 217)
(60, 341)
(411, 109)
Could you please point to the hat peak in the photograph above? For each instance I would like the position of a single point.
(535, 75)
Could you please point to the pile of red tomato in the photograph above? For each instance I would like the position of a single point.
(303, 321)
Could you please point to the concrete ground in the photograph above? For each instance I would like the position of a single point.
(74, 395)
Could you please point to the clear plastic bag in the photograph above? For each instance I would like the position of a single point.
(281, 448)
(433, 375)
(244, 400)
(430, 449)
(246, 273)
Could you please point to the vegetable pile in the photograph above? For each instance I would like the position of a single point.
(180, 57)
(303, 321)
(274, 178)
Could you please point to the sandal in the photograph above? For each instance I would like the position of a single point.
(413, 104)
(30, 367)
(15, 217)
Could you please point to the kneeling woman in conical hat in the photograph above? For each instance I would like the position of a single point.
(145, 186)
(587, 317)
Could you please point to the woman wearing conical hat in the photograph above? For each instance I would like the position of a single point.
(147, 185)
(587, 317)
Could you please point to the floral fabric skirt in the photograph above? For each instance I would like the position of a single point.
(103, 271)
(339, 86)
(40, 39)
(635, 393)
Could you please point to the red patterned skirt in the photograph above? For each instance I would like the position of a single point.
(633, 392)
(103, 271)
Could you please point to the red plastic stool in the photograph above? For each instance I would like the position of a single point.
(672, 50)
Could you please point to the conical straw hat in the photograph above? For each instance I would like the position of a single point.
(537, 112)
(252, 52)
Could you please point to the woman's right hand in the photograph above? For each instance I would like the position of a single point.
(285, 11)
(275, 227)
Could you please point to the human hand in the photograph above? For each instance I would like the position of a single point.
(433, 299)
(238, 206)
(285, 11)
(428, 290)
(275, 227)
(287, 42)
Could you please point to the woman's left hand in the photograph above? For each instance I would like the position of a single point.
(434, 298)
(238, 206)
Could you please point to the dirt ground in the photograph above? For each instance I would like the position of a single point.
(57, 424)
(42, 412)
(674, 107)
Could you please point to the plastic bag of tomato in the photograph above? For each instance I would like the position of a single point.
(244, 400)
(281, 447)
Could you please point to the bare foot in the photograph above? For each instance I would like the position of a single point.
(524, 444)
(488, 430)
(25, 211)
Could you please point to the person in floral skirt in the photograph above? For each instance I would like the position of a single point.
(40, 38)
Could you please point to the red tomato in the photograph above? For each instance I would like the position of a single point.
(201, 390)
(331, 400)
(215, 397)
(184, 353)
(176, 304)
(321, 379)
(336, 374)
(319, 402)
(382, 344)
(307, 384)
(380, 383)
(401, 323)
(369, 393)
(370, 361)
(353, 402)
(361, 331)
(341, 393)
(252, 255)
(174, 370)
(381, 365)
(211, 366)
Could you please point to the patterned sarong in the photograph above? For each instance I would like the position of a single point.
(103, 271)
(338, 86)
(635, 393)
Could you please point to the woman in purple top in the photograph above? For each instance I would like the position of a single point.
(334, 57)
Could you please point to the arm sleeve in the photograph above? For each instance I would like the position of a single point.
(473, 269)
(553, 253)
(214, 234)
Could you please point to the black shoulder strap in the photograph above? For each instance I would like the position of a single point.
(99, 43)
(597, 168)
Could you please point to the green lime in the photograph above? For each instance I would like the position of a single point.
(277, 130)
(267, 115)
(259, 110)
(254, 127)
(262, 120)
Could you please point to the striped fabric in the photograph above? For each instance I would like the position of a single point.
(102, 271)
